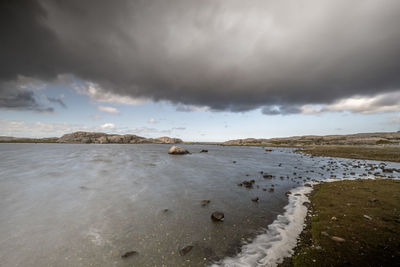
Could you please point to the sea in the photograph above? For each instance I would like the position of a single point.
(136, 205)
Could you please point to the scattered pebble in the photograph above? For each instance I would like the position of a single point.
(184, 250)
(128, 254)
(367, 217)
(256, 199)
(338, 239)
(205, 202)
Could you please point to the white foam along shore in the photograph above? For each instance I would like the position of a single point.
(280, 239)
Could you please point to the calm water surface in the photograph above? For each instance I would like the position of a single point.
(86, 205)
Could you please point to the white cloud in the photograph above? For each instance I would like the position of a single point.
(149, 132)
(96, 92)
(96, 117)
(38, 129)
(395, 120)
(108, 126)
(152, 120)
(386, 102)
(110, 110)
(191, 108)
(29, 83)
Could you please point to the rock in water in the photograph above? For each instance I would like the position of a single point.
(204, 151)
(184, 250)
(256, 199)
(128, 254)
(176, 150)
(217, 216)
(205, 202)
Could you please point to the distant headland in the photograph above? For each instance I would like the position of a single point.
(81, 137)
(94, 138)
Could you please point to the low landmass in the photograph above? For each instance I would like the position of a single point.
(377, 152)
(102, 138)
(388, 138)
(94, 138)
(351, 223)
(10, 139)
(370, 146)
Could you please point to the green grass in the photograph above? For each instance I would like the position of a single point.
(374, 242)
(385, 153)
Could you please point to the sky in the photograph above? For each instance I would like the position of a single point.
(199, 70)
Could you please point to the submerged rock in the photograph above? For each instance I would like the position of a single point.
(177, 150)
(204, 151)
(128, 254)
(184, 250)
(247, 184)
(205, 202)
(255, 199)
(217, 216)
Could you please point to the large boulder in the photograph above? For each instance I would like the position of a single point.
(177, 150)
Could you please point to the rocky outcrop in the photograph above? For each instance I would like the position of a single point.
(103, 138)
(169, 140)
(177, 150)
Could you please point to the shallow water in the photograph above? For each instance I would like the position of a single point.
(86, 205)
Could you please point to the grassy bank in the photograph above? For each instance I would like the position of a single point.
(351, 223)
(384, 153)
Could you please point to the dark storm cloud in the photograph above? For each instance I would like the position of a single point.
(227, 55)
(284, 110)
(57, 101)
(22, 101)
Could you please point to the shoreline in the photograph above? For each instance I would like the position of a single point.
(361, 227)
(280, 237)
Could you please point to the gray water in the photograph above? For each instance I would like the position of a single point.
(86, 205)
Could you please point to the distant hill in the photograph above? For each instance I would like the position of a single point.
(388, 138)
(103, 138)
(93, 138)
(10, 139)
(349, 139)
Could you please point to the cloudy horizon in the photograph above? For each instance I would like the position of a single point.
(200, 71)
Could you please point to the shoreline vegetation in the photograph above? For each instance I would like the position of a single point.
(381, 153)
(351, 222)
